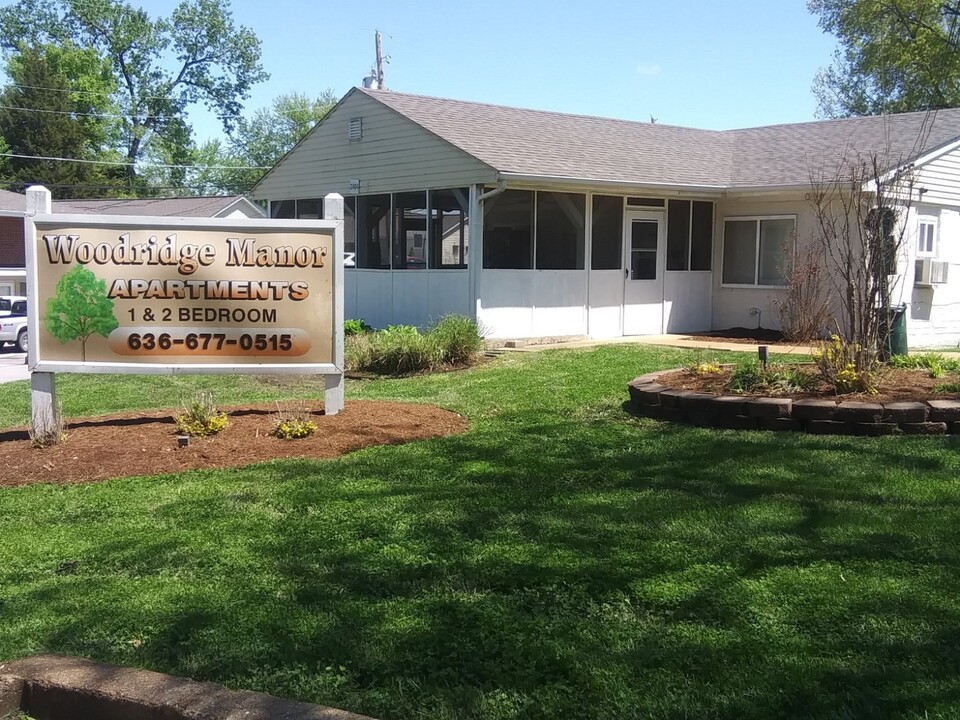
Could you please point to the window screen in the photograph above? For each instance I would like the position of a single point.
(560, 231)
(701, 236)
(776, 242)
(373, 231)
(450, 228)
(410, 231)
(607, 252)
(740, 252)
(643, 249)
(508, 230)
(678, 235)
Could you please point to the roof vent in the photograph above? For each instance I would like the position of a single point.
(355, 132)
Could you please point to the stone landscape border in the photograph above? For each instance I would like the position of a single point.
(817, 416)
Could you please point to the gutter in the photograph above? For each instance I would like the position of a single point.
(501, 186)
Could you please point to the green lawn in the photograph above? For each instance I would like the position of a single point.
(559, 560)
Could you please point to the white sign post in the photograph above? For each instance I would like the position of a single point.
(160, 295)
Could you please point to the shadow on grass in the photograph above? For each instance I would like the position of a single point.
(537, 568)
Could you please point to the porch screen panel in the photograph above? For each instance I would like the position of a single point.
(607, 245)
(740, 252)
(508, 231)
(643, 250)
(410, 231)
(449, 228)
(560, 231)
(283, 209)
(678, 234)
(373, 231)
(776, 250)
(701, 236)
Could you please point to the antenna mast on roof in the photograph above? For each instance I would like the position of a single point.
(380, 84)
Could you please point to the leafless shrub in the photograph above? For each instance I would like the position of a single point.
(804, 305)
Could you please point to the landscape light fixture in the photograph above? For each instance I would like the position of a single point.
(764, 352)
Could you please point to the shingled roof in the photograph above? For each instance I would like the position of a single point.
(207, 207)
(535, 143)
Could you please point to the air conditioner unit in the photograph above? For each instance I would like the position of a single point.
(930, 272)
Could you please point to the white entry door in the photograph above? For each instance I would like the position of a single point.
(643, 241)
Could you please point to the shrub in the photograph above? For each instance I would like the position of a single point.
(843, 365)
(356, 326)
(293, 422)
(702, 369)
(201, 417)
(396, 350)
(458, 339)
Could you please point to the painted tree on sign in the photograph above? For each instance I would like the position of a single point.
(80, 308)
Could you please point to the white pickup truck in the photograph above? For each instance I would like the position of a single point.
(13, 322)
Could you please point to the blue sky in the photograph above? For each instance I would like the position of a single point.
(703, 63)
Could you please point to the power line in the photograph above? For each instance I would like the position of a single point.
(89, 186)
(143, 165)
(97, 115)
(100, 93)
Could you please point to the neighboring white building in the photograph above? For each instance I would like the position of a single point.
(586, 226)
(13, 275)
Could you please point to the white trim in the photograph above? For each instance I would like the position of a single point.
(151, 369)
(934, 154)
(756, 273)
(12, 272)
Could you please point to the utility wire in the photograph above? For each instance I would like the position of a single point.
(98, 115)
(99, 93)
(144, 165)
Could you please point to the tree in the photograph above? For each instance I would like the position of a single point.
(860, 209)
(894, 56)
(162, 67)
(80, 308)
(46, 112)
(272, 132)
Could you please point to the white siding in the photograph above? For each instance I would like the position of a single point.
(405, 297)
(394, 155)
(533, 303)
(732, 306)
(941, 179)
(933, 316)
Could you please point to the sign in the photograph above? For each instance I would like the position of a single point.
(133, 294)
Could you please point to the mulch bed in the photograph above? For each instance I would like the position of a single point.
(145, 443)
(746, 336)
(896, 385)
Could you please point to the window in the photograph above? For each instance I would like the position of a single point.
(757, 251)
(607, 252)
(689, 235)
(450, 228)
(410, 231)
(508, 231)
(678, 235)
(927, 238)
(646, 202)
(560, 231)
(643, 249)
(302, 209)
(373, 231)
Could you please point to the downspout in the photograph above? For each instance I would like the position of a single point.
(476, 263)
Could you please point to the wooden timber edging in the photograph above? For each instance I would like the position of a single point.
(817, 416)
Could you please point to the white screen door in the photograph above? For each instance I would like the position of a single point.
(643, 284)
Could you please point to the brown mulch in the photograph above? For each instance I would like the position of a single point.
(896, 385)
(755, 336)
(145, 443)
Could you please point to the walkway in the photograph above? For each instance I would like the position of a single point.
(680, 341)
(13, 365)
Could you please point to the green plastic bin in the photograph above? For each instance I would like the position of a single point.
(897, 337)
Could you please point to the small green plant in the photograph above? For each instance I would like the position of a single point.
(356, 326)
(936, 363)
(201, 418)
(751, 376)
(949, 388)
(746, 376)
(458, 338)
(293, 422)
